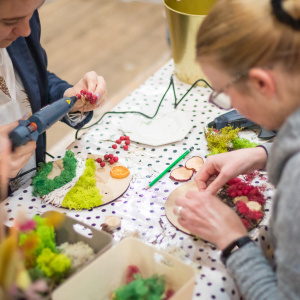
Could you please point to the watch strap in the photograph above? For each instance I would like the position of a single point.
(239, 243)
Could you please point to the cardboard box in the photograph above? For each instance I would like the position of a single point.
(99, 241)
(106, 273)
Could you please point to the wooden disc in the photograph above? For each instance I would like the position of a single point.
(170, 203)
(110, 188)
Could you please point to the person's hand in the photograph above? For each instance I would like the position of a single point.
(91, 82)
(209, 218)
(20, 157)
(220, 168)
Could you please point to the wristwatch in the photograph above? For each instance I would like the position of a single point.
(234, 246)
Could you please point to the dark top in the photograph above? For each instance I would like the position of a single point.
(42, 87)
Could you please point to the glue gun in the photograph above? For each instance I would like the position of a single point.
(39, 122)
(234, 119)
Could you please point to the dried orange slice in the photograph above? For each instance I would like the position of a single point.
(119, 172)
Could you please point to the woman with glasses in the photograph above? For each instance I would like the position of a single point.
(250, 51)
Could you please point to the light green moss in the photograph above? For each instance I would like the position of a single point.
(84, 194)
(225, 140)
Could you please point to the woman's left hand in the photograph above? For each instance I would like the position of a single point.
(209, 218)
(91, 82)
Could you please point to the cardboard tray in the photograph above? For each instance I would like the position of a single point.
(100, 241)
(100, 278)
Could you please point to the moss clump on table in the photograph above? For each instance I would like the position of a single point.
(226, 139)
(42, 185)
(84, 194)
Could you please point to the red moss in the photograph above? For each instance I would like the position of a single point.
(246, 223)
(254, 215)
(242, 208)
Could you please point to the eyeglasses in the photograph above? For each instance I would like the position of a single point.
(220, 99)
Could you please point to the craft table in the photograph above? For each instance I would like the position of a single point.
(142, 211)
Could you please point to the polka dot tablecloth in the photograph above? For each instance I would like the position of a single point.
(142, 211)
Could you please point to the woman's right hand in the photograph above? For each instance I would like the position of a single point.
(220, 168)
(21, 155)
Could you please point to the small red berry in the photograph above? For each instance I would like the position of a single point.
(111, 161)
(78, 96)
(246, 192)
(83, 92)
(127, 142)
(114, 146)
(99, 160)
(92, 101)
(116, 158)
(89, 94)
(122, 138)
(95, 97)
(111, 156)
(232, 194)
(125, 147)
(106, 156)
(239, 193)
(102, 164)
(127, 137)
(118, 141)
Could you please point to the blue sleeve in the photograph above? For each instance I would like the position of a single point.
(57, 87)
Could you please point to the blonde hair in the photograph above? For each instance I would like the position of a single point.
(241, 34)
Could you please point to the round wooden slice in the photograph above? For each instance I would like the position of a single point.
(110, 188)
(170, 203)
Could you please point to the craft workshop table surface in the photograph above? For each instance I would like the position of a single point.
(142, 211)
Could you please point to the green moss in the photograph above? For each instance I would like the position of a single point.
(42, 185)
(240, 143)
(225, 140)
(53, 265)
(141, 289)
(84, 194)
(44, 236)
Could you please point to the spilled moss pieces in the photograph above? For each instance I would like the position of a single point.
(84, 194)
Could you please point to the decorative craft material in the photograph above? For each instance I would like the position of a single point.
(225, 139)
(181, 174)
(169, 128)
(113, 222)
(43, 184)
(91, 186)
(245, 199)
(139, 288)
(192, 165)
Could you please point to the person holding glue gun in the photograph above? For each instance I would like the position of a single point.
(26, 85)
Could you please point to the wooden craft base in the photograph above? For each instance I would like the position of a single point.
(110, 188)
(170, 203)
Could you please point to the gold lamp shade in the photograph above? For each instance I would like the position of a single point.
(184, 18)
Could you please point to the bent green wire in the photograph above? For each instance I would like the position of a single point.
(158, 107)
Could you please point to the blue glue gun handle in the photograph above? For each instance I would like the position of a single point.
(43, 119)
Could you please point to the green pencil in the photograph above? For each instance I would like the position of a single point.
(170, 167)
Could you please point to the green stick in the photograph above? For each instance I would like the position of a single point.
(169, 167)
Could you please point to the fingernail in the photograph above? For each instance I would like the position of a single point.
(98, 95)
(92, 92)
